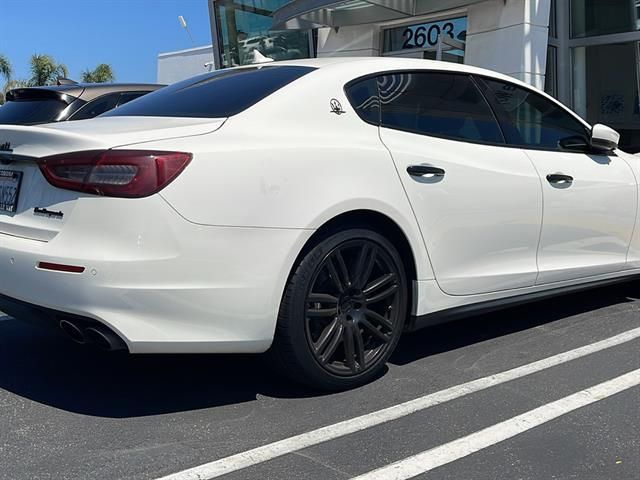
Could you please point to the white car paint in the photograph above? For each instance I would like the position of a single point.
(201, 265)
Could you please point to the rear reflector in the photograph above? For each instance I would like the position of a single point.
(114, 173)
(56, 267)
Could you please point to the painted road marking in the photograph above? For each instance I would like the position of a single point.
(462, 447)
(289, 445)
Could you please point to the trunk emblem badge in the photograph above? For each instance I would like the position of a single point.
(43, 212)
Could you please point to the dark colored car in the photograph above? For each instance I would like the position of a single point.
(73, 101)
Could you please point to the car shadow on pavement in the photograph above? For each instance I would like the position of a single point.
(475, 329)
(46, 367)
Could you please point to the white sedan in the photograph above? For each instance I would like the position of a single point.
(315, 208)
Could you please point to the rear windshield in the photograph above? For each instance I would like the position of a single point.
(213, 95)
(31, 112)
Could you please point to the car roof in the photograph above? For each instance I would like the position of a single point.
(89, 91)
(380, 64)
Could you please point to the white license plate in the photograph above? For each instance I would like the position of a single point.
(10, 181)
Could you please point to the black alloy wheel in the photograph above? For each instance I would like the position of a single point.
(343, 311)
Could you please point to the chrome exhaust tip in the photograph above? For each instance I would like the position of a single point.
(73, 331)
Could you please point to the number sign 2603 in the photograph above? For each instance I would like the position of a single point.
(423, 36)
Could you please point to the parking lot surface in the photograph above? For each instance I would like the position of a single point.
(545, 390)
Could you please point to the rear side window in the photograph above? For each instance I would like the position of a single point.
(363, 96)
(31, 111)
(437, 104)
(97, 107)
(213, 95)
(533, 120)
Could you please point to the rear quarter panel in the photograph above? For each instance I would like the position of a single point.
(289, 162)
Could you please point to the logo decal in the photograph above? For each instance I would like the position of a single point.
(43, 212)
(5, 147)
(336, 107)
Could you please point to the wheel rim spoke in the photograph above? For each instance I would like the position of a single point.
(383, 295)
(359, 344)
(379, 319)
(375, 331)
(322, 298)
(349, 349)
(366, 261)
(333, 274)
(322, 312)
(327, 337)
(342, 266)
(379, 283)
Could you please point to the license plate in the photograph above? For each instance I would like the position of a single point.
(10, 181)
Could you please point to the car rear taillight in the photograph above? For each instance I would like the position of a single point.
(114, 173)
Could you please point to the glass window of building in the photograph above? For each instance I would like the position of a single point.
(603, 17)
(434, 40)
(600, 96)
(244, 27)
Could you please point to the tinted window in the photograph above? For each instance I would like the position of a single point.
(534, 121)
(438, 104)
(128, 96)
(363, 97)
(213, 95)
(97, 107)
(31, 112)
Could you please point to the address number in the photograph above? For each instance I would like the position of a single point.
(421, 36)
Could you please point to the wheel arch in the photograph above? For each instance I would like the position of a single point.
(372, 220)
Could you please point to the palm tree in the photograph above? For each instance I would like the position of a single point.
(45, 70)
(5, 71)
(101, 74)
(5, 67)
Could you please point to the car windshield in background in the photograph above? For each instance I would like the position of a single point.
(31, 111)
(213, 95)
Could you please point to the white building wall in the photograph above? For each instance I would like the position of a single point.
(510, 37)
(507, 36)
(176, 66)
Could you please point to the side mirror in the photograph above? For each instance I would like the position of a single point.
(603, 138)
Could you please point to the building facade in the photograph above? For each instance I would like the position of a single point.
(584, 52)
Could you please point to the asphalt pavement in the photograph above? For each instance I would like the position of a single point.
(567, 408)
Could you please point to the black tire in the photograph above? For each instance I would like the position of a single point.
(342, 312)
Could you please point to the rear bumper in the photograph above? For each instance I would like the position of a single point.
(163, 284)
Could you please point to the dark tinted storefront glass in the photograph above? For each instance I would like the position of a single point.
(605, 88)
(31, 112)
(244, 26)
(437, 104)
(213, 95)
(603, 17)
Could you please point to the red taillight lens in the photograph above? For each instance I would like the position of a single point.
(114, 173)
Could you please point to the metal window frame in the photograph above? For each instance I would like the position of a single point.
(565, 47)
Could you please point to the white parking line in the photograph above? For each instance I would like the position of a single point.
(270, 451)
(449, 452)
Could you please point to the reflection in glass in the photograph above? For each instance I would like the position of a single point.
(603, 97)
(603, 17)
(244, 27)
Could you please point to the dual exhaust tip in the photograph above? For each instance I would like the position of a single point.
(96, 334)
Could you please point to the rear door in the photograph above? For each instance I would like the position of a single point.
(478, 204)
(590, 199)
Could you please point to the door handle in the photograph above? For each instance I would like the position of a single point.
(559, 179)
(422, 170)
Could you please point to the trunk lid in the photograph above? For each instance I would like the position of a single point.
(32, 208)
